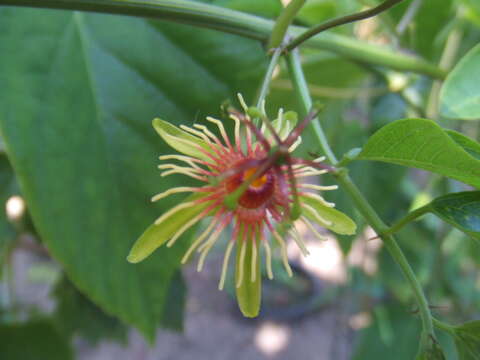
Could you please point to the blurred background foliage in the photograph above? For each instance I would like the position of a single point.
(78, 92)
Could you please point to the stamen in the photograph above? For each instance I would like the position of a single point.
(241, 261)
(268, 260)
(177, 167)
(197, 133)
(310, 173)
(183, 172)
(210, 134)
(195, 146)
(242, 102)
(199, 240)
(173, 191)
(208, 245)
(283, 249)
(222, 130)
(173, 211)
(295, 144)
(319, 187)
(299, 241)
(253, 272)
(190, 161)
(237, 132)
(317, 217)
(226, 260)
(313, 230)
(190, 223)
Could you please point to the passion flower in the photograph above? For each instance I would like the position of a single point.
(250, 185)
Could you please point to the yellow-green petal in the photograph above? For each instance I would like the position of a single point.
(339, 222)
(249, 293)
(158, 234)
(181, 140)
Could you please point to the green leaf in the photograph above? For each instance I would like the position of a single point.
(249, 293)
(461, 210)
(422, 144)
(37, 340)
(75, 314)
(459, 97)
(339, 222)
(467, 340)
(75, 113)
(469, 145)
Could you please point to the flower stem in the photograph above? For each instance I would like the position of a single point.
(239, 23)
(283, 22)
(341, 21)
(363, 206)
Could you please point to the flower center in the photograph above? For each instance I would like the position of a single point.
(258, 192)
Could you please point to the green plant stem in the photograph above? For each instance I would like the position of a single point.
(411, 216)
(235, 22)
(341, 21)
(443, 326)
(361, 203)
(268, 78)
(283, 22)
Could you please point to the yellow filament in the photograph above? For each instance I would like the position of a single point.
(242, 102)
(171, 191)
(220, 127)
(283, 249)
(299, 241)
(253, 269)
(268, 260)
(226, 259)
(208, 133)
(209, 243)
(312, 229)
(197, 133)
(317, 217)
(320, 199)
(184, 228)
(173, 211)
(319, 187)
(198, 241)
(241, 261)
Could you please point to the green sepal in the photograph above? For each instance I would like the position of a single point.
(158, 234)
(175, 137)
(340, 223)
(249, 294)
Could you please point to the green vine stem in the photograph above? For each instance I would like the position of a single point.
(283, 22)
(411, 216)
(363, 206)
(443, 326)
(341, 21)
(236, 22)
(268, 77)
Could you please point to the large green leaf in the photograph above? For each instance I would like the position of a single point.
(75, 314)
(460, 94)
(37, 340)
(467, 340)
(461, 210)
(422, 144)
(79, 92)
(469, 145)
